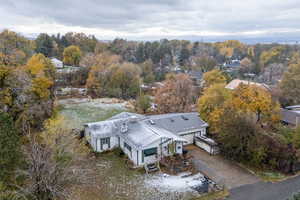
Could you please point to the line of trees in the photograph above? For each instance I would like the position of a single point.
(155, 59)
(37, 156)
(246, 123)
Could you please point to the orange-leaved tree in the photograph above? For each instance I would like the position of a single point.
(176, 95)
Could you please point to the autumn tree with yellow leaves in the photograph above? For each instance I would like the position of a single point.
(245, 99)
(27, 92)
(14, 48)
(271, 56)
(211, 103)
(109, 76)
(229, 47)
(43, 72)
(256, 100)
(72, 55)
(213, 77)
(245, 123)
(290, 84)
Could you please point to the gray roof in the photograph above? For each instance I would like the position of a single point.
(179, 123)
(124, 115)
(290, 116)
(143, 130)
(141, 134)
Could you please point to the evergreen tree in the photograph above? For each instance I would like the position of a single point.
(10, 153)
(44, 45)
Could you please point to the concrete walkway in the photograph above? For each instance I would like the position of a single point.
(220, 170)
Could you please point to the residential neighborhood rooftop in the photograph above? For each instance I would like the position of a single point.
(236, 82)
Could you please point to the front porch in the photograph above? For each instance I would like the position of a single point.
(177, 164)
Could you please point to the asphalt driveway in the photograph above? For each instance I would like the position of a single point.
(220, 170)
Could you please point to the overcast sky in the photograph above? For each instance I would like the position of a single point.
(147, 19)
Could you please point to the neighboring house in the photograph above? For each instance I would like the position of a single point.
(236, 82)
(151, 87)
(68, 69)
(231, 65)
(57, 63)
(71, 91)
(291, 115)
(146, 139)
(177, 69)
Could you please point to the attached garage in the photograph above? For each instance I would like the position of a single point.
(189, 137)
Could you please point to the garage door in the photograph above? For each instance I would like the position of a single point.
(189, 138)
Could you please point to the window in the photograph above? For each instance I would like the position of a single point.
(150, 152)
(127, 146)
(105, 141)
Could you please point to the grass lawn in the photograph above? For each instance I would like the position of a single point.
(266, 175)
(272, 176)
(113, 179)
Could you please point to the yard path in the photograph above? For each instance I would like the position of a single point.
(266, 190)
(220, 170)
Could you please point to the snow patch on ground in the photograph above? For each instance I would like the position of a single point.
(78, 111)
(180, 183)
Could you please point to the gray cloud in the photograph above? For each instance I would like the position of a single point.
(165, 16)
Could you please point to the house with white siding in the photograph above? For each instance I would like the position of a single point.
(146, 139)
(57, 63)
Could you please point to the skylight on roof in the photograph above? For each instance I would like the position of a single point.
(184, 117)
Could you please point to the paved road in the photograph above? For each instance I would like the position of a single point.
(265, 191)
(220, 170)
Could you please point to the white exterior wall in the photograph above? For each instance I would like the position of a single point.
(95, 142)
(210, 149)
(161, 151)
(203, 132)
(133, 155)
(204, 146)
(153, 158)
(179, 147)
(136, 155)
(87, 134)
(189, 137)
